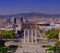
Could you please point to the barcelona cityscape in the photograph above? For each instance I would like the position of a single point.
(29, 26)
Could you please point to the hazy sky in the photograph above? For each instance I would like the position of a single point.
(23, 6)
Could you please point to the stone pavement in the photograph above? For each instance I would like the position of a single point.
(30, 49)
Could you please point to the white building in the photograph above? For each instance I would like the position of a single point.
(6, 28)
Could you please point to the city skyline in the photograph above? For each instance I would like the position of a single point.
(27, 6)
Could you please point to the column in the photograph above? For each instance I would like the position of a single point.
(16, 31)
(32, 35)
(35, 36)
(28, 36)
(24, 35)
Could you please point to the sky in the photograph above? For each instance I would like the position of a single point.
(27, 6)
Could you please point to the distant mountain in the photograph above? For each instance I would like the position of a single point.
(30, 15)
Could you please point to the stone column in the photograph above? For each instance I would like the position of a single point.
(16, 30)
(28, 36)
(35, 36)
(32, 35)
(24, 35)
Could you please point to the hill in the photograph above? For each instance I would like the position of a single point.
(30, 15)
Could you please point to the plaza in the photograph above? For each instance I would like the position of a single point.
(33, 40)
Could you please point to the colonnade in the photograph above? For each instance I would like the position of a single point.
(30, 36)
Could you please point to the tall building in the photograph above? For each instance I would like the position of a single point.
(21, 19)
(3, 22)
(21, 22)
(14, 20)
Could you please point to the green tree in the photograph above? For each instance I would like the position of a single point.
(2, 43)
(55, 48)
(4, 49)
(58, 45)
(52, 34)
(7, 34)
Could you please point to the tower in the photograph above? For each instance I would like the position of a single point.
(14, 20)
(21, 19)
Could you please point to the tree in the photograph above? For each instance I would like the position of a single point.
(58, 45)
(55, 48)
(2, 43)
(52, 34)
(4, 49)
(7, 34)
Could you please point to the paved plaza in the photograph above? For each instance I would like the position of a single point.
(30, 48)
